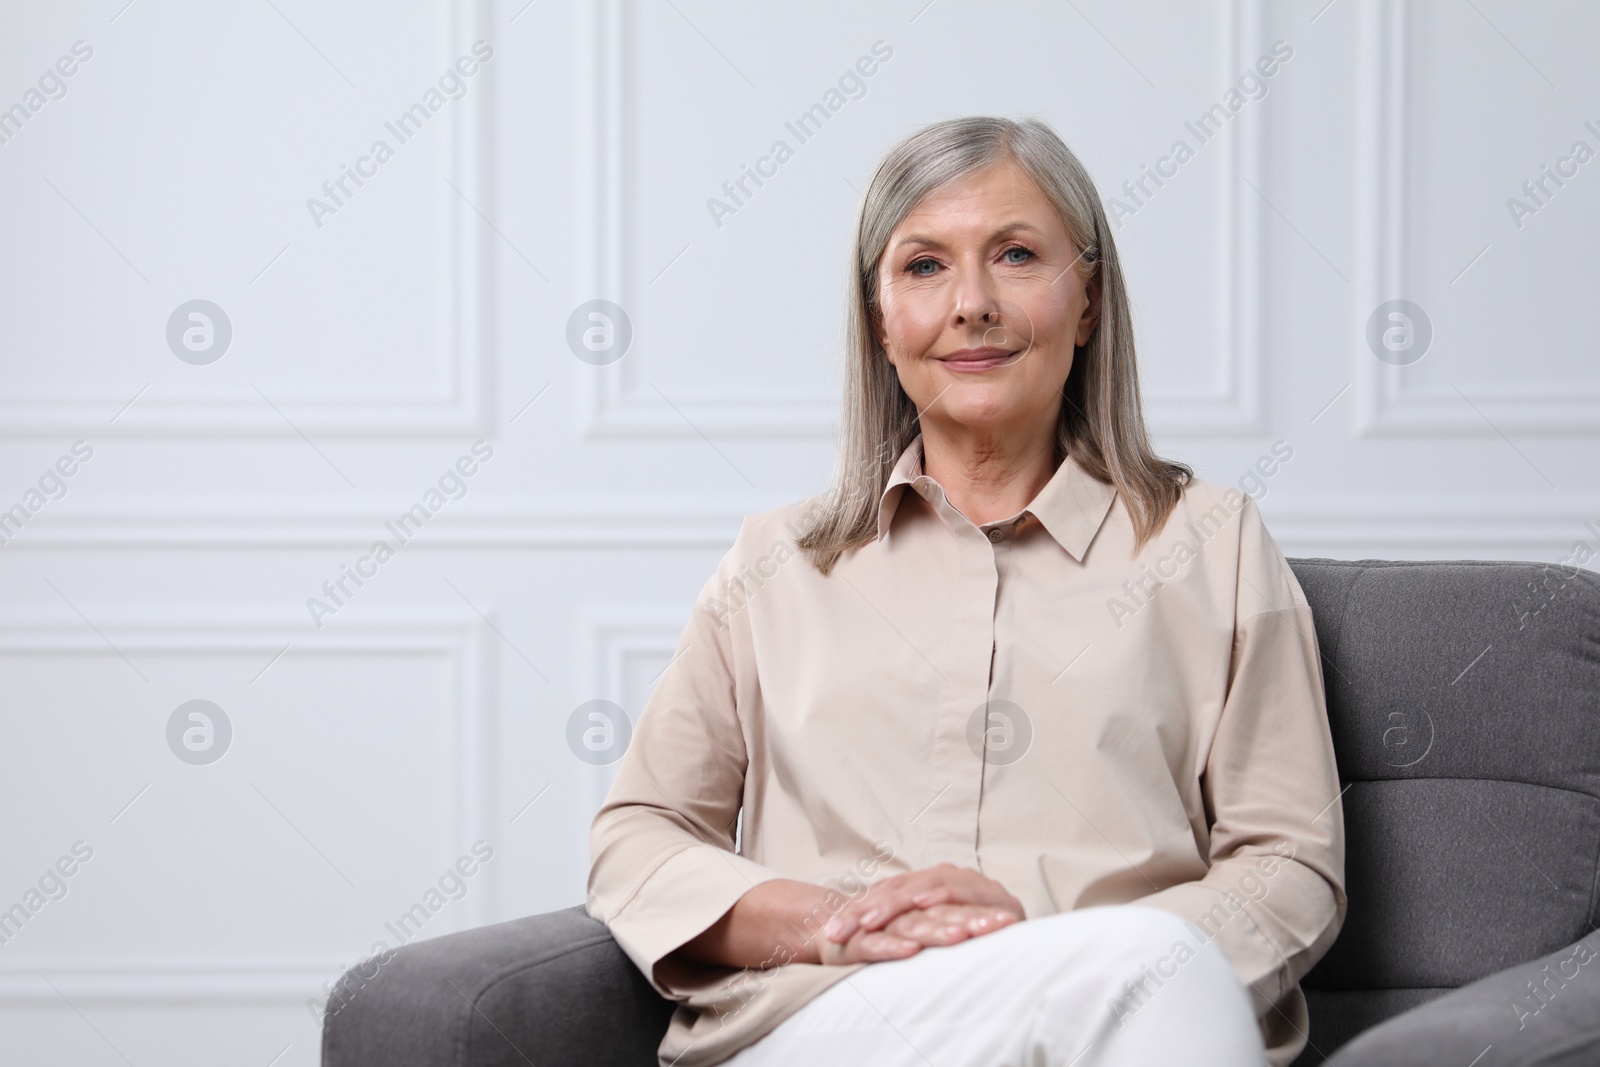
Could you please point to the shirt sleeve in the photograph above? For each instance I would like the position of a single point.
(662, 862)
(1274, 896)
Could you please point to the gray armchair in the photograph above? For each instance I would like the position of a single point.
(1464, 699)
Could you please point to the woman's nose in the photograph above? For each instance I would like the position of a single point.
(976, 298)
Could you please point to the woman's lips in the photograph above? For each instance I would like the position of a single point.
(978, 359)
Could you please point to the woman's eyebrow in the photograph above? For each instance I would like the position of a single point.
(933, 242)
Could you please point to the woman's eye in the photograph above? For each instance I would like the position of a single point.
(915, 264)
(1027, 254)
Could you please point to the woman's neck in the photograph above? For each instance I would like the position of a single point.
(989, 476)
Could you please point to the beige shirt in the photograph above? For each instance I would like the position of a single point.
(1024, 697)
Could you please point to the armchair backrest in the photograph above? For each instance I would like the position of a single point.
(1464, 702)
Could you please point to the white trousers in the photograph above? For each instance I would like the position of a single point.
(1113, 986)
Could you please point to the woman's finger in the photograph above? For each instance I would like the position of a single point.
(881, 903)
(928, 929)
(899, 894)
(871, 946)
(916, 929)
(937, 885)
(934, 925)
(894, 896)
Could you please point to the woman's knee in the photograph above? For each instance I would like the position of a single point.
(1174, 975)
(1137, 953)
(1133, 977)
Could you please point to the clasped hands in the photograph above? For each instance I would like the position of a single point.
(905, 913)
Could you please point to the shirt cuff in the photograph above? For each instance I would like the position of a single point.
(681, 899)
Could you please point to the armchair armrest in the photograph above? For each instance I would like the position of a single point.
(1540, 1014)
(549, 989)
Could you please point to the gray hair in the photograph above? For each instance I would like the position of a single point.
(1102, 421)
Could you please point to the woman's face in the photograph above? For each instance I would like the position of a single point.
(981, 305)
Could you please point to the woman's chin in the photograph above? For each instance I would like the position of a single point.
(994, 414)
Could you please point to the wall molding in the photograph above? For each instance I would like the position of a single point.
(161, 983)
(1386, 403)
(467, 294)
(627, 523)
(610, 637)
(618, 409)
(468, 772)
(630, 522)
(1442, 528)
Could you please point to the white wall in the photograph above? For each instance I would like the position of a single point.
(373, 345)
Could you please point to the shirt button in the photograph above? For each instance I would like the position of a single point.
(996, 534)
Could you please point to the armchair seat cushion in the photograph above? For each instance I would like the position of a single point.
(1545, 1013)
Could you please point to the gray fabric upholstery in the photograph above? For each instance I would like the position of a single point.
(1339, 1015)
(1464, 701)
(547, 990)
(1554, 1022)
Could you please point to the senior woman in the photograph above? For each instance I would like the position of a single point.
(1011, 748)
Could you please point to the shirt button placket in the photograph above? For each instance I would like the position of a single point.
(950, 822)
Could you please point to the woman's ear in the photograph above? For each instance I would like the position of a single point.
(1091, 311)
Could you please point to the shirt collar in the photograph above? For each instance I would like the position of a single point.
(1072, 506)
